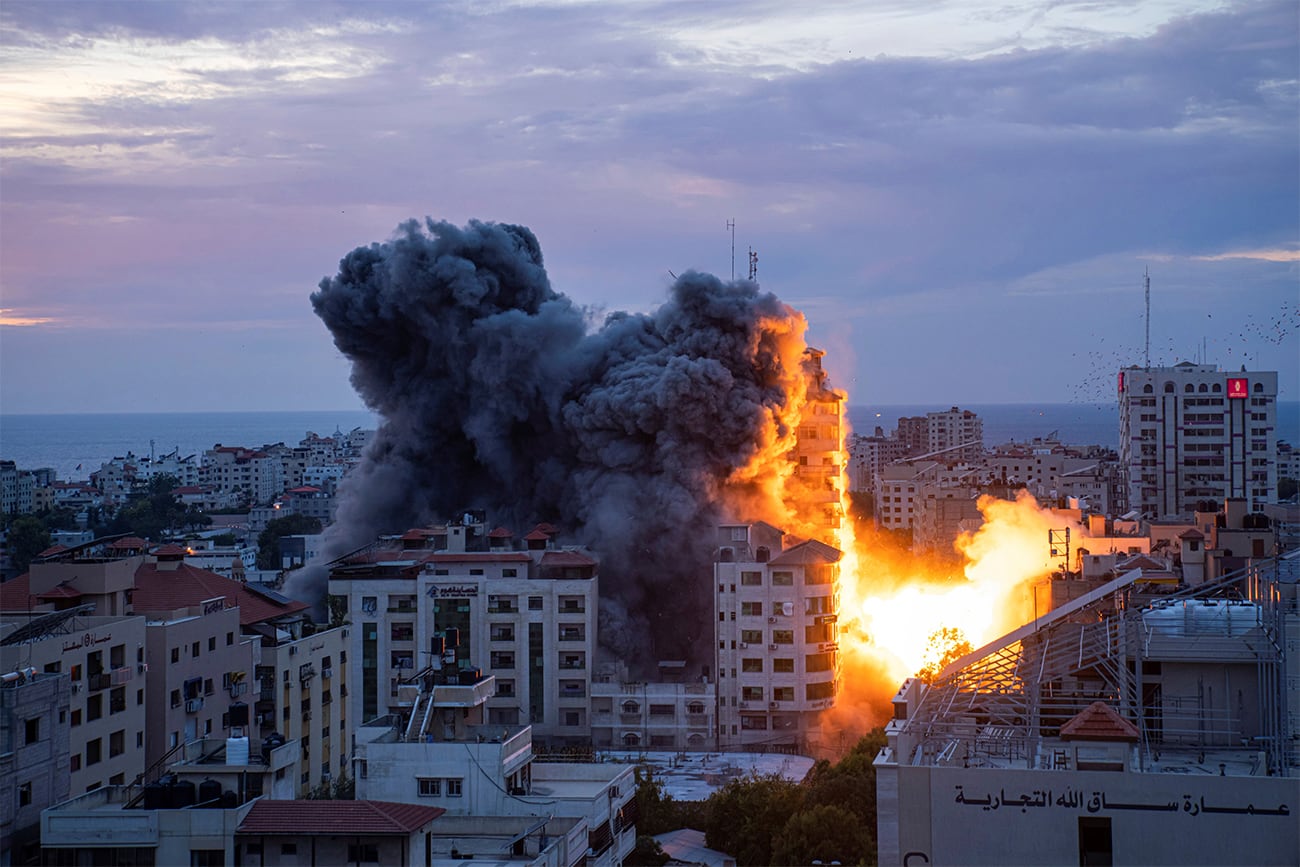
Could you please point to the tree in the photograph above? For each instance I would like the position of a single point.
(26, 538)
(268, 541)
(151, 512)
(658, 812)
(825, 834)
(1286, 488)
(945, 646)
(747, 814)
(647, 853)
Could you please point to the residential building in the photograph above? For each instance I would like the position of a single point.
(777, 657)
(252, 473)
(103, 661)
(868, 455)
(955, 436)
(34, 756)
(1193, 432)
(443, 755)
(656, 715)
(460, 597)
(1126, 726)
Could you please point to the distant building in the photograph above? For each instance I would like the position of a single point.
(955, 436)
(656, 715)
(34, 757)
(1192, 432)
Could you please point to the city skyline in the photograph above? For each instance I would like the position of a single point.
(989, 184)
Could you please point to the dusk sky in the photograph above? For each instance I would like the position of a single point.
(961, 197)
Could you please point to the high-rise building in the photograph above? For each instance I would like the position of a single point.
(1192, 432)
(955, 435)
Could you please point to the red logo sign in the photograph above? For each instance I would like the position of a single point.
(1121, 382)
(1238, 387)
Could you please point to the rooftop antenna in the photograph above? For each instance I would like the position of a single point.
(1146, 280)
(753, 265)
(731, 224)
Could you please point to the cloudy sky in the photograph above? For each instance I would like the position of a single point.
(962, 197)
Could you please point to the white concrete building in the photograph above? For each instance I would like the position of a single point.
(34, 756)
(1123, 727)
(777, 657)
(474, 601)
(656, 715)
(1192, 432)
(955, 436)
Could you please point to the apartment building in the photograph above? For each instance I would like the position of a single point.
(1193, 432)
(104, 706)
(955, 436)
(776, 653)
(35, 751)
(868, 455)
(252, 473)
(459, 597)
(667, 714)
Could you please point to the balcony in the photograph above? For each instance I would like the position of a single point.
(96, 682)
(194, 705)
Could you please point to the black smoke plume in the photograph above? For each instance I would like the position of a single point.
(498, 393)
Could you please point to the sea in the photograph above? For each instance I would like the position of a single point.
(75, 445)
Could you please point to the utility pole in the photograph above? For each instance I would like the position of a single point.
(731, 224)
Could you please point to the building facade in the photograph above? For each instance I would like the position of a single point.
(777, 658)
(457, 597)
(1192, 432)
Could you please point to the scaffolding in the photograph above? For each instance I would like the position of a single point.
(1006, 702)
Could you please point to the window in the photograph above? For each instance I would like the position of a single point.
(505, 688)
(814, 691)
(534, 603)
(176, 655)
(751, 636)
(751, 693)
(751, 579)
(782, 579)
(212, 643)
(819, 662)
(363, 853)
(288, 848)
(194, 649)
(783, 636)
(429, 787)
(76, 762)
(24, 794)
(230, 638)
(783, 693)
(94, 751)
(32, 730)
(94, 707)
(454, 788)
(751, 609)
(502, 659)
(783, 666)
(751, 665)
(509, 573)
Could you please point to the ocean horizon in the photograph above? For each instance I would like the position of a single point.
(76, 444)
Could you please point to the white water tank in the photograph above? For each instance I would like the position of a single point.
(236, 751)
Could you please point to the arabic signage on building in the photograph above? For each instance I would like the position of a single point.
(445, 591)
(89, 639)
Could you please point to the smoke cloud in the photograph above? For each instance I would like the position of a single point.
(636, 435)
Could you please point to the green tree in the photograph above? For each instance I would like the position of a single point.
(268, 541)
(26, 538)
(746, 815)
(1286, 488)
(151, 512)
(647, 853)
(825, 833)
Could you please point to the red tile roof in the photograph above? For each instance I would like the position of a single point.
(133, 543)
(63, 591)
(566, 558)
(1191, 534)
(170, 551)
(1099, 722)
(52, 550)
(500, 533)
(303, 489)
(369, 818)
(478, 557)
(15, 593)
(158, 590)
(811, 552)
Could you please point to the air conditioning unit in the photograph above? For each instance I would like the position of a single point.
(76, 688)
(773, 647)
(771, 620)
(142, 668)
(744, 704)
(326, 673)
(293, 651)
(773, 705)
(744, 646)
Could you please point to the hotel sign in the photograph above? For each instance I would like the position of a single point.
(1238, 387)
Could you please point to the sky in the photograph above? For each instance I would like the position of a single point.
(961, 197)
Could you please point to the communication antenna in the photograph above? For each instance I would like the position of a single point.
(1058, 542)
(731, 224)
(753, 264)
(1146, 279)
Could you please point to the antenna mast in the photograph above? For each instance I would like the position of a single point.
(753, 264)
(1146, 279)
(731, 224)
